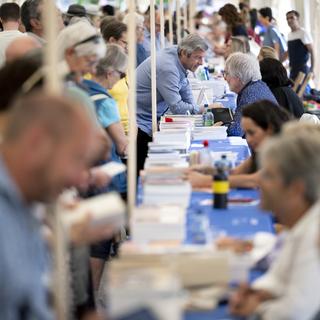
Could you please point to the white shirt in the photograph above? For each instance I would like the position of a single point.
(5, 38)
(294, 278)
(300, 34)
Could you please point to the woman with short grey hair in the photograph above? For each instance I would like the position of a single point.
(242, 72)
(109, 70)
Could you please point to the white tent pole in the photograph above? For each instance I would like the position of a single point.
(161, 9)
(178, 20)
(153, 68)
(170, 22)
(132, 149)
(53, 85)
(192, 10)
(53, 82)
(185, 18)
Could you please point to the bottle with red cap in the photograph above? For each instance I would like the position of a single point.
(205, 154)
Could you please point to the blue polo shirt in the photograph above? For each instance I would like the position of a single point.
(107, 113)
(273, 36)
(24, 260)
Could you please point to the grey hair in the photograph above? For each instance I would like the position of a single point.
(240, 44)
(115, 59)
(243, 66)
(296, 153)
(192, 43)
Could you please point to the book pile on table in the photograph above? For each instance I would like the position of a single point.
(165, 185)
(158, 223)
(210, 133)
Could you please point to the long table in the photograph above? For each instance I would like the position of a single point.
(239, 220)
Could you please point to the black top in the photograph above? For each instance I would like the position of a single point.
(288, 99)
(239, 30)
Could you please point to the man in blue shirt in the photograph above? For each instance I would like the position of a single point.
(147, 35)
(46, 146)
(173, 88)
(272, 37)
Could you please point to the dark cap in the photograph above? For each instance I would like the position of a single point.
(76, 10)
(266, 13)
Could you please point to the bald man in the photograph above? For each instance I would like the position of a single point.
(19, 47)
(47, 143)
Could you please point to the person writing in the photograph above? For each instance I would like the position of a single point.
(260, 121)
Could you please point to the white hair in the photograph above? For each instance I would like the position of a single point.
(138, 17)
(243, 66)
(296, 153)
(75, 35)
(115, 59)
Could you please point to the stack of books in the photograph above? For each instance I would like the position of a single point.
(210, 133)
(165, 185)
(143, 292)
(158, 223)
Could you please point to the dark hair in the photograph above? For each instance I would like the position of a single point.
(108, 10)
(106, 20)
(30, 10)
(267, 114)
(294, 12)
(266, 12)
(230, 15)
(147, 12)
(274, 73)
(113, 29)
(9, 11)
(253, 18)
(14, 74)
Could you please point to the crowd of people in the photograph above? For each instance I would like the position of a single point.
(51, 143)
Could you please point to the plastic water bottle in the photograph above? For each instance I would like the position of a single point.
(205, 154)
(200, 228)
(207, 117)
(203, 73)
(224, 164)
(220, 185)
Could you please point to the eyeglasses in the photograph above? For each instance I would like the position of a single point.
(121, 74)
(95, 39)
(124, 42)
(225, 73)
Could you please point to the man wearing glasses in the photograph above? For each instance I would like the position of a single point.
(173, 88)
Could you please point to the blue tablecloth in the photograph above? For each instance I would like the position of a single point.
(224, 145)
(239, 220)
